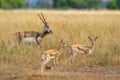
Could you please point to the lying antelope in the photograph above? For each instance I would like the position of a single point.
(82, 49)
(51, 54)
(32, 36)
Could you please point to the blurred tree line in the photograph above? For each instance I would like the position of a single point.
(11, 4)
(80, 4)
(86, 4)
(114, 4)
(64, 4)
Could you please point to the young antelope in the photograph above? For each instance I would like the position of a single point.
(82, 49)
(51, 54)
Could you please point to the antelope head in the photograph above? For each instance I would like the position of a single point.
(46, 29)
(62, 44)
(92, 40)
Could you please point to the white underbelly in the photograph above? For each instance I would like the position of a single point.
(30, 39)
(52, 57)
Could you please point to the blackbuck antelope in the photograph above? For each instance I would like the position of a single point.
(51, 54)
(32, 36)
(82, 49)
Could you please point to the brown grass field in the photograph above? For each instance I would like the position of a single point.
(74, 26)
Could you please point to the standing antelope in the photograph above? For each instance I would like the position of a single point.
(83, 49)
(32, 36)
(51, 54)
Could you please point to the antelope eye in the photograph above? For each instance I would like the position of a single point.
(63, 43)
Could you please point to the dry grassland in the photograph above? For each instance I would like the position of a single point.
(73, 26)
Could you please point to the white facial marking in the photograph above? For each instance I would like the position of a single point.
(46, 29)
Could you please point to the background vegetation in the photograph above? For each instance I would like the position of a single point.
(11, 4)
(63, 4)
(79, 4)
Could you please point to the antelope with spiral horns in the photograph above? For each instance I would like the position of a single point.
(52, 54)
(32, 36)
(82, 49)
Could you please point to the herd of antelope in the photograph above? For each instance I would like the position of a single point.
(35, 37)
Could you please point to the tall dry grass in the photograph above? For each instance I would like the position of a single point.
(73, 26)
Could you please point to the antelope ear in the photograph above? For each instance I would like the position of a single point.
(89, 38)
(95, 38)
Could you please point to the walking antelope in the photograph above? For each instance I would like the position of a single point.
(51, 54)
(83, 49)
(32, 36)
